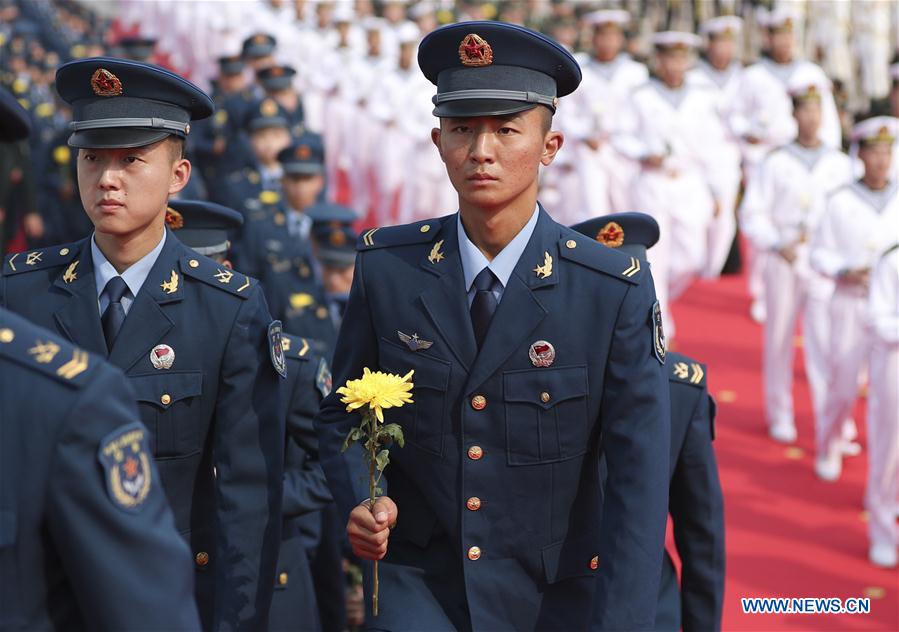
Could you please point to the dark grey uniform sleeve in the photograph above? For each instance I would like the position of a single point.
(129, 569)
(305, 486)
(697, 509)
(356, 349)
(248, 455)
(636, 429)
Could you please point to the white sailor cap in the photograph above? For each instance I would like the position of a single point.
(619, 17)
(722, 26)
(808, 83)
(779, 19)
(423, 8)
(675, 39)
(408, 33)
(880, 129)
(343, 12)
(374, 24)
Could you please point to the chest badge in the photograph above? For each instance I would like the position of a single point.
(414, 342)
(162, 357)
(542, 354)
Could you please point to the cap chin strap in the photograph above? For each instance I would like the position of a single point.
(507, 95)
(153, 123)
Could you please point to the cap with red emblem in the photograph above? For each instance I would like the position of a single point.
(492, 68)
(632, 233)
(122, 103)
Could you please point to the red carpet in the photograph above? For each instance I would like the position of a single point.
(788, 534)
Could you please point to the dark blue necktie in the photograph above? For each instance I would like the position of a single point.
(484, 303)
(114, 315)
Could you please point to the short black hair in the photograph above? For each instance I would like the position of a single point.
(176, 147)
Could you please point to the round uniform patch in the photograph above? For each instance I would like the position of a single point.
(542, 354)
(276, 349)
(475, 51)
(126, 461)
(611, 235)
(162, 357)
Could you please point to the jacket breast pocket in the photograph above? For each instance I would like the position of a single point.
(546, 414)
(169, 406)
(424, 421)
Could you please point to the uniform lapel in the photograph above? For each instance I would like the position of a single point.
(521, 309)
(444, 299)
(79, 318)
(147, 321)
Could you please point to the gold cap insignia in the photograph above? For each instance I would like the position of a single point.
(277, 71)
(173, 219)
(337, 238)
(304, 152)
(260, 38)
(611, 235)
(105, 84)
(268, 108)
(475, 51)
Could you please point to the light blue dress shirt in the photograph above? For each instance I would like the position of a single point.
(503, 264)
(134, 276)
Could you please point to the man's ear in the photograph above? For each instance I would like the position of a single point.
(180, 175)
(552, 143)
(435, 138)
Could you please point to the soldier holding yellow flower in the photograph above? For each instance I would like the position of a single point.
(535, 351)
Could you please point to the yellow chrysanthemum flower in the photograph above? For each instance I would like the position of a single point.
(378, 391)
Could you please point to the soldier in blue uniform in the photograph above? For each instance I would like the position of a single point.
(87, 538)
(334, 245)
(205, 229)
(277, 82)
(535, 350)
(218, 142)
(278, 252)
(695, 502)
(196, 341)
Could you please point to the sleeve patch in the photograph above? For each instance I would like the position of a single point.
(276, 348)
(323, 378)
(126, 461)
(659, 345)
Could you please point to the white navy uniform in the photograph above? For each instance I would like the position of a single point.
(856, 227)
(883, 405)
(782, 206)
(683, 125)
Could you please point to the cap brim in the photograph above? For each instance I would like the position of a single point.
(303, 170)
(337, 258)
(481, 107)
(115, 137)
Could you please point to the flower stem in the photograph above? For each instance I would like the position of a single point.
(372, 456)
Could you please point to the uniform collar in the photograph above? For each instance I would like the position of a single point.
(134, 276)
(503, 264)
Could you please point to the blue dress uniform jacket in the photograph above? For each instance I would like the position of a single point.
(696, 505)
(306, 491)
(286, 269)
(72, 556)
(502, 521)
(214, 416)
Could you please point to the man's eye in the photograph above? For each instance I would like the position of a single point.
(460, 129)
(505, 131)
(89, 157)
(131, 159)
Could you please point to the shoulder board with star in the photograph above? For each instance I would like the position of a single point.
(213, 273)
(40, 258)
(585, 251)
(43, 352)
(685, 369)
(403, 235)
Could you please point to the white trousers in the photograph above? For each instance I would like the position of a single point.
(848, 354)
(788, 297)
(883, 444)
